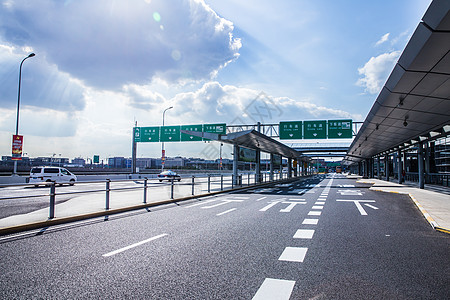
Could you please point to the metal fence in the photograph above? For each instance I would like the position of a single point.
(186, 188)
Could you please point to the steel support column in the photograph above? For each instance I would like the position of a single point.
(421, 166)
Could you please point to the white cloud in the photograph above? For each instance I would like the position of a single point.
(376, 71)
(383, 39)
(107, 44)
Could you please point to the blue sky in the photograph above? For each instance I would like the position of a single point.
(100, 66)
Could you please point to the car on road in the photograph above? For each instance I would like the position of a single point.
(46, 175)
(168, 175)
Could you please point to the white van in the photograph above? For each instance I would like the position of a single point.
(45, 175)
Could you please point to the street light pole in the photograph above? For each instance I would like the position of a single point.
(163, 154)
(18, 105)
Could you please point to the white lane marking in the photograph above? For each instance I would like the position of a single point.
(314, 213)
(358, 205)
(240, 198)
(134, 245)
(290, 206)
(310, 221)
(269, 206)
(304, 234)
(294, 254)
(201, 203)
(222, 203)
(371, 206)
(274, 289)
(296, 199)
(225, 212)
(262, 198)
(320, 203)
(317, 207)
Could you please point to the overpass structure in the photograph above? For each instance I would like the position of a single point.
(412, 112)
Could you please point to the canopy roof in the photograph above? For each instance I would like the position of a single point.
(415, 101)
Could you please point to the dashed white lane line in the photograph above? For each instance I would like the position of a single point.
(310, 221)
(134, 245)
(294, 254)
(225, 212)
(317, 206)
(304, 234)
(274, 289)
(262, 198)
(314, 213)
(319, 203)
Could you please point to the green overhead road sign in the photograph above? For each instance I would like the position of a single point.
(315, 129)
(291, 130)
(187, 137)
(215, 128)
(146, 134)
(340, 129)
(170, 134)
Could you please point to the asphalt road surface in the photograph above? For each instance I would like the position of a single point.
(321, 238)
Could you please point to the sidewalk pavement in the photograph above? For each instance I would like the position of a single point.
(434, 206)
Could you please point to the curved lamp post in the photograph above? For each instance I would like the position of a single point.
(163, 156)
(18, 104)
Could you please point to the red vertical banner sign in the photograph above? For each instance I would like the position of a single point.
(17, 144)
(163, 157)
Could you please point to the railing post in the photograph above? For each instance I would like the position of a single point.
(221, 182)
(193, 185)
(209, 183)
(171, 189)
(108, 185)
(248, 178)
(232, 181)
(145, 190)
(52, 200)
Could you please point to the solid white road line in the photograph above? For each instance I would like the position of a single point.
(294, 254)
(134, 245)
(225, 212)
(304, 234)
(310, 221)
(274, 289)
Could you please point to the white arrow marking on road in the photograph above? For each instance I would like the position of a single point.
(358, 205)
(269, 206)
(290, 206)
(371, 206)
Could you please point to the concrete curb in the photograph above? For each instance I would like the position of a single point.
(64, 220)
(425, 214)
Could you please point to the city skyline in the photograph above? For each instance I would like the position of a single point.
(101, 67)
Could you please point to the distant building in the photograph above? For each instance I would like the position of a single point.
(79, 162)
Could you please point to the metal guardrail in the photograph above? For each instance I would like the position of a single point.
(211, 180)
